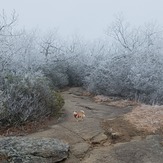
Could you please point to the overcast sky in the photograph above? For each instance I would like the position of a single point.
(88, 18)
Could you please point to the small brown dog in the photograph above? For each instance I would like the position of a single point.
(79, 115)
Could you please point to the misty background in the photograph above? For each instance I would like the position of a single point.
(87, 18)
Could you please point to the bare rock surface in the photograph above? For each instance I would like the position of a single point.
(32, 150)
(60, 132)
(99, 138)
(89, 140)
(148, 150)
(80, 149)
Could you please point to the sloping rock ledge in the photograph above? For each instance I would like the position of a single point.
(32, 150)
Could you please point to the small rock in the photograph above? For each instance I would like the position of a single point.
(99, 138)
(80, 149)
(115, 135)
(107, 143)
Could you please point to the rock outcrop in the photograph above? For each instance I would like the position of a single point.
(148, 150)
(32, 150)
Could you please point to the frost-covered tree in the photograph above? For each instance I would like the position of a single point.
(54, 66)
(25, 92)
(132, 68)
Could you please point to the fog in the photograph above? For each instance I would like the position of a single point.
(87, 18)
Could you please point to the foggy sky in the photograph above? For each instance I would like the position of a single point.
(88, 18)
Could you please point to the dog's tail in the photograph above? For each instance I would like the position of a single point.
(82, 111)
(75, 112)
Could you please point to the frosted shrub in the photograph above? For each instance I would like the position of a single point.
(134, 76)
(26, 99)
(56, 73)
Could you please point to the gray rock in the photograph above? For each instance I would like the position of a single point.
(116, 135)
(80, 149)
(99, 138)
(32, 150)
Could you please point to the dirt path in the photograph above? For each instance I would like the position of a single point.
(90, 142)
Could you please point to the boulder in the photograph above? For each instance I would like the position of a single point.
(32, 150)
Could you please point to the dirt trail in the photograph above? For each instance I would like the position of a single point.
(90, 141)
